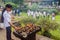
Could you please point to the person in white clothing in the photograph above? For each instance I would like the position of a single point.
(44, 13)
(53, 16)
(28, 12)
(32, 13)
(7, 21)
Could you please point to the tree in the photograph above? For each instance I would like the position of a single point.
(18, 1)
(34, 7)
(13, 4)
(59, 2)
(14, 1)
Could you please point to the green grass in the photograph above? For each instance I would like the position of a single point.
(58, 18)
(24, 14)
(56, 33)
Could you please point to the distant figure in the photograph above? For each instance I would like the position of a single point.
(18, 12)
(53, 16)
(29, 12)
(32, 13)
(48, 15)
(37, 14)
(14, 12)
(44, 14)
(40, 13)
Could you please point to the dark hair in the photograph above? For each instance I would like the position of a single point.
(8, 6)
(2, 18)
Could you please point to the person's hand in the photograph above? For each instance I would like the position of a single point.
(17, 28)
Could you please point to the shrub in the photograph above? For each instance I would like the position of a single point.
(44, 23)
(34, 7)
(27, 20)
(55, 34)
(13, 4)
(47, 25)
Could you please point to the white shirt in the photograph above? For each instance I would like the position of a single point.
(7, 18)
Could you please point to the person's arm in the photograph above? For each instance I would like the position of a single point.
(16, 28)
(11, 23)
(12, 16)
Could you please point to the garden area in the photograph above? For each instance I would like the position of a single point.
(36, 16)
(50, 28)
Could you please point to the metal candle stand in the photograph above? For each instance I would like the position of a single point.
(30, 36)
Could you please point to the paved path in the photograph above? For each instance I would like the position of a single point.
(3, 36)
